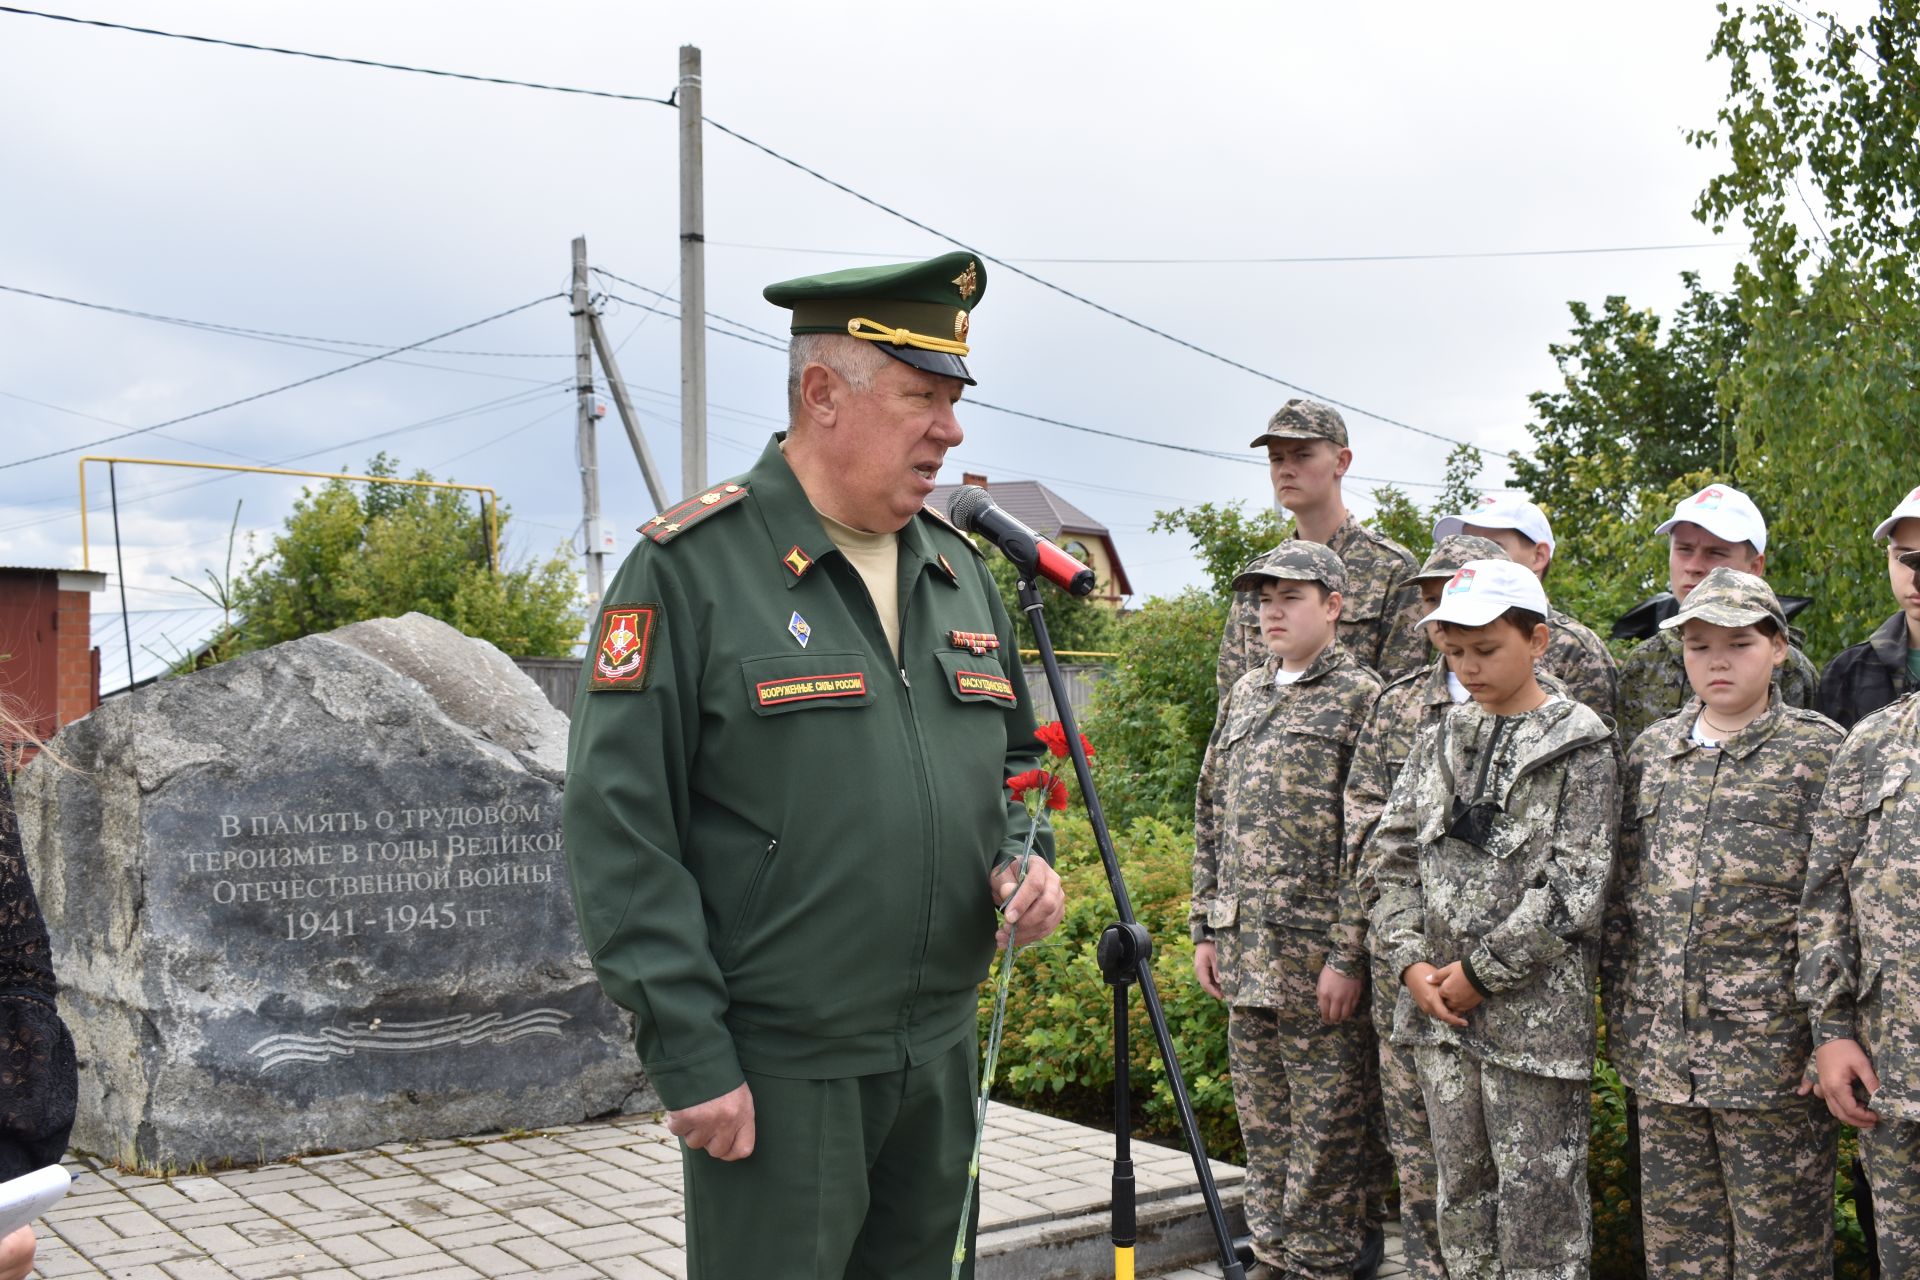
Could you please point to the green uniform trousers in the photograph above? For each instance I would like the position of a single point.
(851, 1179)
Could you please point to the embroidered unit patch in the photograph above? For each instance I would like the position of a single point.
(625, 645)
(991, 683)
(797, 625)
(775, 693)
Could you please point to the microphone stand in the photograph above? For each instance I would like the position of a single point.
(1125, 955)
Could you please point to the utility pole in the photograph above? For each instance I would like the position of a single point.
(693, 281)
(584, 439)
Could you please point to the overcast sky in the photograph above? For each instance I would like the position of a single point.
(375, 207)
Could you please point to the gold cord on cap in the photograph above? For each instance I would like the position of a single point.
(874, 331)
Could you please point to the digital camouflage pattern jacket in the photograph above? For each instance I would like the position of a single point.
(1379, 611)
(1403, 709)
(1859, 931)
(1581, 661)
(1653, 682)
(1522, 907)
(1269, 859)
(1699, 955)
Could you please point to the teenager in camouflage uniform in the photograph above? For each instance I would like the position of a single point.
(1715, 528)
(1307, 454)
(1268, 866)
(1736, 1163)
(1858, 939)
(1576, 656)
(1492, 858)
(1404, 707)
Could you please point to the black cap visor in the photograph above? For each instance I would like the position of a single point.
(940, 362)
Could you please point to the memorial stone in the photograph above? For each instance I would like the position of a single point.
(315, 898)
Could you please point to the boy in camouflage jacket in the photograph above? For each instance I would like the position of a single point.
(1268, 867)
(1492, 859)
(1736, 1163)
(1859, 957)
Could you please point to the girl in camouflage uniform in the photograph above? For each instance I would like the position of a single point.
(1736, 1163)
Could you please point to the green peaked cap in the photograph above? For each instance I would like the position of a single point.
(916, 312)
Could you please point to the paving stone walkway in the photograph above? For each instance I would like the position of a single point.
(584, 1202)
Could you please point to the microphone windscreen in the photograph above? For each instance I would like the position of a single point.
(968, 501)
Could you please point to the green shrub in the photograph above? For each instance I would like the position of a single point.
(1057, 1055)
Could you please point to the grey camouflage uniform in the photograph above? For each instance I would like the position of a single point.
(1698, 966)
(1507, 1095)
(1653, 682)
(1379, 609)
(1269, 862)
(1583, 663)
(1859, 939)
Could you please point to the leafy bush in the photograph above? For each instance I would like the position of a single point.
(1151, 718)
(1057, 1055)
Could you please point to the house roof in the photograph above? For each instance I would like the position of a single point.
(1032, 504)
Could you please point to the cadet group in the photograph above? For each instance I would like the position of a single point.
(1434, 817)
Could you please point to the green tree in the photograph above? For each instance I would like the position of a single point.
(1819, 134)
(1223, 535)
(347, 554)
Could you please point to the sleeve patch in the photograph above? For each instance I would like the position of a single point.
(624, 649)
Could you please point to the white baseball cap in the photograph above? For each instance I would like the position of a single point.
(1508, 510)
(1724, 512)
(1909, 509)
(1482, 590)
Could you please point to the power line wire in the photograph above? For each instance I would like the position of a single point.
(787, 160)
(261, 395)
(1296, 259)
(331, 57)
(1080, 298)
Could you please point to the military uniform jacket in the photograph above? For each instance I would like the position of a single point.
(1404, 708)
(1699, 957)
(1269, 859)
(1378, 610)
(779, 840)
(1653, 682)
(1859, 936)
(1524, 910)
(1583, 663)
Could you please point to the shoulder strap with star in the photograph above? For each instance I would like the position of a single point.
(683, 515)
(939, 518)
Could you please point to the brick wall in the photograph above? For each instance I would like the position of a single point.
(76, 661)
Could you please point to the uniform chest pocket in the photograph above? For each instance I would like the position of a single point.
(801, 682)
(980, 680)
(1764, 845)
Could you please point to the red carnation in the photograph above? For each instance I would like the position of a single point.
(1054, 735)
(1057, 795)
(1031, 780)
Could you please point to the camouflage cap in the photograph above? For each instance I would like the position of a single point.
(1453, 553)
(1730, 598)
(917, 312)
(1304, 420)
(1296, 560)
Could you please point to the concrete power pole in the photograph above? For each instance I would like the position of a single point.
(693, 281)
(594, 538)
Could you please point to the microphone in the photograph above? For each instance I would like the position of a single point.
(974, 512)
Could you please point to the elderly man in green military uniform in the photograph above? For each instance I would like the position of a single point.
(787, 821)
(1307, 455)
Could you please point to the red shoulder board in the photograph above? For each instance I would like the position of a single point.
(683, 515)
